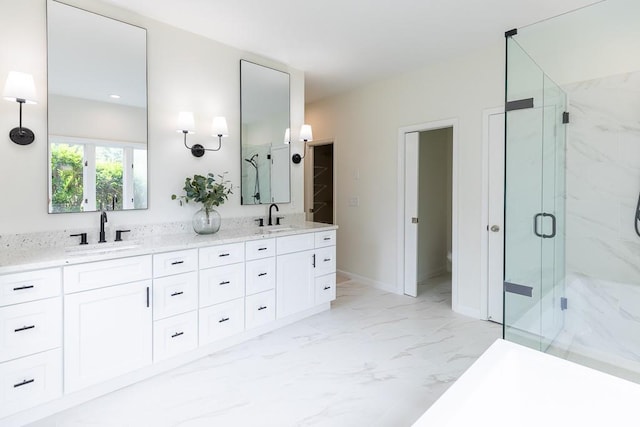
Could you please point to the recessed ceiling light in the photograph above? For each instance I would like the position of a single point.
(114, 96)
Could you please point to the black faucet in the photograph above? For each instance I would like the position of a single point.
(273, 205)
(103, 219)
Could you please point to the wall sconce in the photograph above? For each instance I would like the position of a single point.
(21, 89)
(186, 125)
(306, 134)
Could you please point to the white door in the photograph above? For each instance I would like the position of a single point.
(295, 280)
(495, 227)
(412, 159)
(107, 332)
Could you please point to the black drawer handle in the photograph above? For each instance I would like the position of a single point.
(262, 307)
(224, 319)
(226, 282)
(221, 255)
(262, 274)
(175, 294)
(22, 288)
(262, 249)
(24, 328)
(326, 288)
(327, 238)
(25, 382)
(177, 334)
(327, 259)
(177, 262)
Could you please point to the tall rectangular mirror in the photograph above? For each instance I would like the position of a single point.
(97, 111)
(264, 111)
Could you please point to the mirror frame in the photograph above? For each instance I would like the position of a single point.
(242, 136)
(50, 137)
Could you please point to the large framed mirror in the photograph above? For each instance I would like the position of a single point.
(264, 157)
(97, 111)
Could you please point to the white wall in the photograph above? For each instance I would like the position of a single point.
(186, 72)
(364, 124)
(435, 150)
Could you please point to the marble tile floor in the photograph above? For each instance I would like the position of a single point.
(374, 359)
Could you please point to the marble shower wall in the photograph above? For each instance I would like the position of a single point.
(603, 178)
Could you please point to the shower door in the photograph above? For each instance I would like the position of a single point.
(534, 203)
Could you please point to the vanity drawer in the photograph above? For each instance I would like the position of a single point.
(221, 321)
(30, 381)
(221, 284)
(175, 262)
(325, 288)
(175, 335)
(257, 249)
(216, 256)
(94, 275)
(260, 275)
(325, 238)
(325, 261)
(30, 328)
(29, 286)
(260, 309)
(175, 294)
(295, 243)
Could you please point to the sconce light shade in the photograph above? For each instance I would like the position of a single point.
(306, 134)
(287, 136)
(219, 127)
(20, 86)
(186, 122)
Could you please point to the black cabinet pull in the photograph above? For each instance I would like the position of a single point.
(327, 238)
(262, 249)
(147, 296)
(175, 294)
(224, 319)
(21, 288)
(262, 307)
(221, 255)
(327, 259)
(177, 262)
(326, 288)
(314, 261)
(177, 334)
(262, 274)
(226, 282)
(25, 382)
(24, 328)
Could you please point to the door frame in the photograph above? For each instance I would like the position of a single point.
(484, 241)
(308, 178)
(427, 126)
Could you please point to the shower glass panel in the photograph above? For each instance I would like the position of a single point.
(534, 203)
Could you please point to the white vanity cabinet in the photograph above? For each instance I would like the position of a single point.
(30, 339)
(107, 330)
(175, 303)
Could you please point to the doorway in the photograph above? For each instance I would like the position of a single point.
(409, 217)
(319, 182)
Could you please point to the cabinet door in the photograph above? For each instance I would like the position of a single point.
(295, 284)
(260, 309)
(107, 332)
(221, 321)
(221, 284)
(325, 260)
(260, 275)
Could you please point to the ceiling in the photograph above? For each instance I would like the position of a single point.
(344, 44)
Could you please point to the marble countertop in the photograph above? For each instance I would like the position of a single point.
(12, 260)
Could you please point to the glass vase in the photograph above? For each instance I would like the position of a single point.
(206, 221)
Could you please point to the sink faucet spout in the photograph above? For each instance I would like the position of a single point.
(273, 205)
(103, 219)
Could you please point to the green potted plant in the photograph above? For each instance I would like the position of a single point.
(205, 190)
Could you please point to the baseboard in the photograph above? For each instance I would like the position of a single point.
(469, 312)
(370, 282)
(430, 275)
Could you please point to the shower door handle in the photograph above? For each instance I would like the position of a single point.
(535, 224)
(553, 226)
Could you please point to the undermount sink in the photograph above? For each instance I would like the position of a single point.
(100, 248)
(276, 229)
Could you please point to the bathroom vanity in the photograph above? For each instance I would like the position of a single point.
(76, 323)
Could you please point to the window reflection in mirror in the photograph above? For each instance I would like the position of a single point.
(265, 122)
(97, 112)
